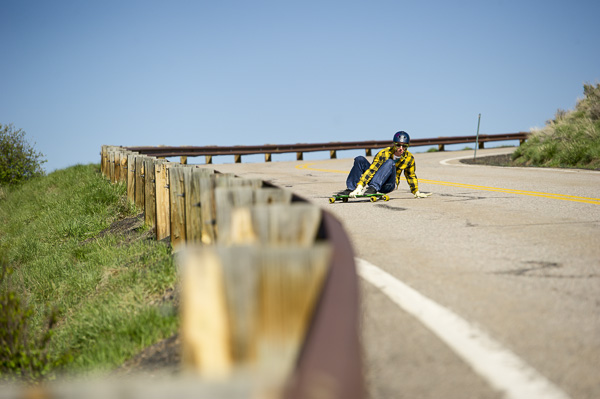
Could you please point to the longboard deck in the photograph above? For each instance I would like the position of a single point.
(372, 197)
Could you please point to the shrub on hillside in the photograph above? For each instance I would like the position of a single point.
(571, 139)
(23, 354)
(19, 161)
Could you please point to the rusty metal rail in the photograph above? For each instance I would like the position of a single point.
(332, 147)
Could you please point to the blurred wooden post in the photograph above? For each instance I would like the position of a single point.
(368, 152)
(269, 195)
(248, 308)
(177, 198)
(332, 154)
(227, 199)
(267, 157)
(237, 158)
(286, 224)
(163, 222)
(204, 326)
(193, 204)
(208, 159)
(299, 156)
(207, 204)
(441, 147)
(183, 160)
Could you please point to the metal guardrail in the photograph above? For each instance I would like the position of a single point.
(332, 147)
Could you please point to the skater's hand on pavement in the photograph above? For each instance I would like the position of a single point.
(419, 194)
(359, 190)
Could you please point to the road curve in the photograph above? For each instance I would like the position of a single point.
(511, 253)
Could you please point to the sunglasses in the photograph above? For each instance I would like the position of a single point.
(405, 146)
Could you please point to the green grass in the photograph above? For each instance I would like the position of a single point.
(570, 140)
(105, 289)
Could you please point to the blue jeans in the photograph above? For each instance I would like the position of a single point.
(384, 180)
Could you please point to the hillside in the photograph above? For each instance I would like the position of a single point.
(570, 140)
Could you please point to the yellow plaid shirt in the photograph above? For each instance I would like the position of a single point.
(405, 163)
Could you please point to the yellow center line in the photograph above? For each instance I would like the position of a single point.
(563, 197)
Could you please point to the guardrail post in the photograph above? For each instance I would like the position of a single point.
(183, 160)
(237, 158)
(140, 184)
(150, 193)
(441, 147)
(267, 157)
(163, 205)
(131, 177)
(368, 152)
(299, 156)
(193, 204)
(208, 159)
(177, 192)
(332, 154)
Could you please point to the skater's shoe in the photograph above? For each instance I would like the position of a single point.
(370, 191)
(345, 192)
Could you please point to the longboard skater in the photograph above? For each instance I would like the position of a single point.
(383, 175)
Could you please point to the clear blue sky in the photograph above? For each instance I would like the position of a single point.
(78, 74)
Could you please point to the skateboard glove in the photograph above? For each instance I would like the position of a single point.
(419, 194)
(359, 190)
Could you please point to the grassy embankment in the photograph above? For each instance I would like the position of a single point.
(570, 140)
(78, 296)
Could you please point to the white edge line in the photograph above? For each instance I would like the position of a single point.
(501, 368)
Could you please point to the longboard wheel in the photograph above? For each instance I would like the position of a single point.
(386, 197)
(331, 200)
(344, 199)
(373, 198)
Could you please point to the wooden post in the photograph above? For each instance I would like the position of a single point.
(204, 326)
(226, 200)
(208, 159)
(124, 157)
(332, 154)
(177, 199)
(270, 195)
(131, 177)
(183, 160)
(163, 204)
(117, 166)
(111, 162)
(150, 193)
(139, 182)
(368, 152)
(298, 156)
(481, 145)
(207, 208)
(103, 160)
(248, 308)
(237, 158)
(441, 147)
(193, 204)
(267, 157)
(286, 224)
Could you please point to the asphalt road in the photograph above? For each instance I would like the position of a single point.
(493, 283)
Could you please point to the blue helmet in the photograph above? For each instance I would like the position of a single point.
(402, 138)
